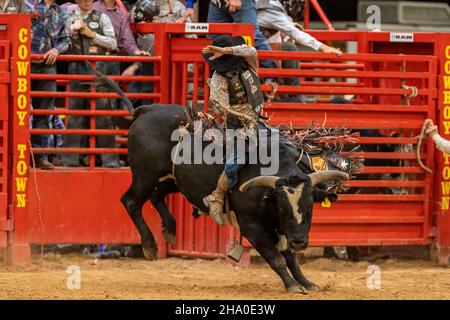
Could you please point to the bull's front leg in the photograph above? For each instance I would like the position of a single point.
(258, 237)
(294, 267)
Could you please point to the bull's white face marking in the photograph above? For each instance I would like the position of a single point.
(293, 199)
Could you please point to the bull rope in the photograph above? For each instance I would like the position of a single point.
(300, 158)
(41, 221)
(182, 130)
(419, 146)
(238, 114)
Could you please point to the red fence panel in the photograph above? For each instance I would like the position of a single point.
(16, 30)
(383, 88)
(4, 120)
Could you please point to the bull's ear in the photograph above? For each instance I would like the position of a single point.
(319, 195)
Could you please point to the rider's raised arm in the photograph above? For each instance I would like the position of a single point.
(249, 53)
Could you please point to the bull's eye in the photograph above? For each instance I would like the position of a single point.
(290, 190)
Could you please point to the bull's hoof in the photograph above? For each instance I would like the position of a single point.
(297, 289)
(169, 237)
(311, 287)
(308, 285)
(150, 253)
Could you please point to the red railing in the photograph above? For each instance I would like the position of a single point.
(92, 113)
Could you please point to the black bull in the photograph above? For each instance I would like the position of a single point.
(265, 207)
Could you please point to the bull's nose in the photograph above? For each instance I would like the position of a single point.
(298, 245)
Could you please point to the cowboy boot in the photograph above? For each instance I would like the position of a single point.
(216, 199)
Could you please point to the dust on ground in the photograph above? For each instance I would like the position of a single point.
(177, 278)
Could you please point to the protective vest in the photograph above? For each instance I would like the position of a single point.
(82, 45)
(244, 88)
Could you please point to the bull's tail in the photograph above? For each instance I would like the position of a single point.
(104, 79)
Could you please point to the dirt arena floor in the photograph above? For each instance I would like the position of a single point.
(177, 278)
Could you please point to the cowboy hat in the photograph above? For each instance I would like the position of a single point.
(227, 61)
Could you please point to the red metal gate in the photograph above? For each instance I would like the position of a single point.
(4, 117)
(380, 103)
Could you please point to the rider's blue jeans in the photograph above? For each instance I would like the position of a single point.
(237, 159)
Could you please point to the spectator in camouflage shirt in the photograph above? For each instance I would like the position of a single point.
(49, 36)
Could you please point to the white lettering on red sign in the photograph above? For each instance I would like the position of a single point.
(197, 27)
(402, 37)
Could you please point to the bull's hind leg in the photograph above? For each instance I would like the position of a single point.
(257, 236)
(293, 266)
(134, 200)
(157, 198)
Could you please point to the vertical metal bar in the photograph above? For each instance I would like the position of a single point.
(322, 15)
(92, 125)
(215, 236)
(184, 84)
(174, 80)
(18, 33)
(202, 234)
(165, 54)
(182, 223)
(191, 230)
(196, 87)
(66, 104)
(306, 15)
(206, 87)
(158, 83)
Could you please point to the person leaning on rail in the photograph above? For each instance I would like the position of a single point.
(273, 16)
(126, 44)
(238, 11)
(142, 11)
(149, 11)
(49, 36)
(92, 34)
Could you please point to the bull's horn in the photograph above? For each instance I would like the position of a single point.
(321, 176)
(261, 181)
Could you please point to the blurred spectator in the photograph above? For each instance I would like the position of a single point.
(171, 11)
(12, 6)
(49, 36)
(273, 16)
(148, 11)
(126, 44)
(223, 11)
(92, 34)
